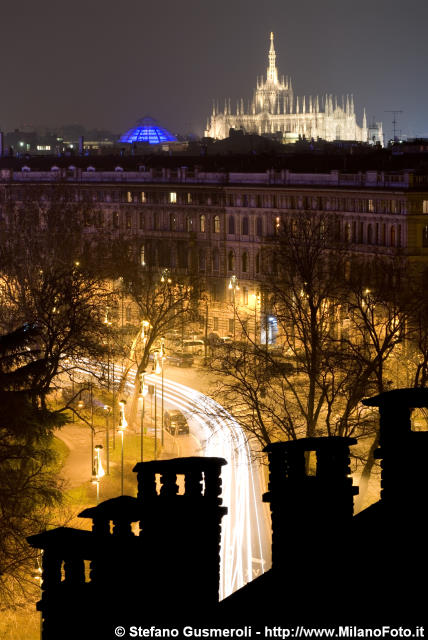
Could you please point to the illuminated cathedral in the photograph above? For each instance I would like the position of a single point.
(275, 110)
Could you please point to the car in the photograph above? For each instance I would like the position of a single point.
(194, 346)
(175, 422)
(179, 359)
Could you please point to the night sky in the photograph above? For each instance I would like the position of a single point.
(105, 63)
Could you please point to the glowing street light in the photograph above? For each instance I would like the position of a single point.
(98, 469)
(121, 428)
(159, 360)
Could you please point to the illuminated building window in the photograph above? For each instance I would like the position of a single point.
(370, 206)
(347, 232)
(245, 295)
(173, 197)
(216, 224)
(425, 206)
(189, 198)
(143, 256)
(202, 220)
(143, 197)
(129, 196)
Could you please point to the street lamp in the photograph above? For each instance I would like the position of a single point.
(233, 285)
(142, 394)
(98, 469)
(256, 297)
(121, 428)
(107, 409)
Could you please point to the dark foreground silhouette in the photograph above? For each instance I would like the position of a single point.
(328, 566)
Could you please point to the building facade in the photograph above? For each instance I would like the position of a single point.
(218, 224)
(274, 108)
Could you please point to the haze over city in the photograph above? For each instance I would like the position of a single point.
(106, 64)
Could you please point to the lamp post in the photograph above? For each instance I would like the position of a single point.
(256, 297)
(108, 325)
(159, 364)
(121, 428)
(107, 409)
(142, 395)
(233, 285)
(98, 469)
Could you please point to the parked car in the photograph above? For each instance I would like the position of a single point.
(175, 423)
(193, 346)
(180, 359)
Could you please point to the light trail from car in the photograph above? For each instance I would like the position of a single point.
(245, 549)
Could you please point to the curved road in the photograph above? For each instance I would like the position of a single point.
(245, 529)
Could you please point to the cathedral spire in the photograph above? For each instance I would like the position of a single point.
(272, 72)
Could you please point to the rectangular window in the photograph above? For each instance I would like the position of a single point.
(142, 220)
(115, 219)
(215, 324)
(189, 198)
(425, 206)
(128, 220)
(143, 197)
(129, 196)
(172, 197)
(231, 324)
(245, 295)
(370, 207)
(425, 236)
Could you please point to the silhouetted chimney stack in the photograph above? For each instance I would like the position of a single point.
(310, 495)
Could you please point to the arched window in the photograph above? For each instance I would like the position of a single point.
(189, 223)
(202, 224)
(216, 224)
(244, 262)
(231, 261)
(215, 260)
(245, 226)
(393, 236)
(231, 225)
(259, 227)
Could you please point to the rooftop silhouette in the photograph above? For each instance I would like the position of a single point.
(328, 566)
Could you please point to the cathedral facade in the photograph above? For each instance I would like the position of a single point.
(274, 109)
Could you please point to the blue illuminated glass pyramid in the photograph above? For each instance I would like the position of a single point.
(147, 130)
